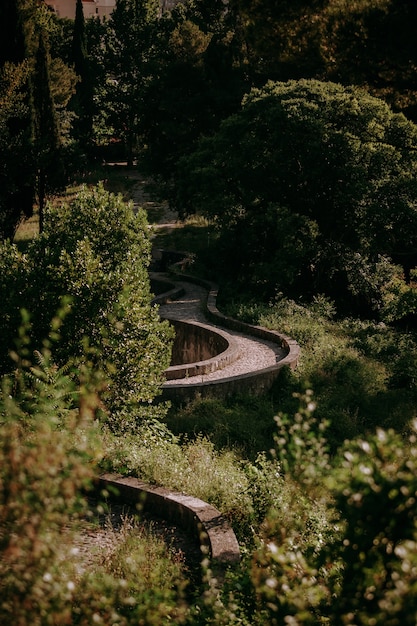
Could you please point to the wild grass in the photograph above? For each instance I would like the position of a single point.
(194, 468)
(363, 373)
(134, 552)
(244, 423)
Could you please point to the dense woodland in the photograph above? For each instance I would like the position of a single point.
(284, 134)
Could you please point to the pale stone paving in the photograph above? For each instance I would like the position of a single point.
(256, 354)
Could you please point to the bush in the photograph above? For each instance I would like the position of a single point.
(48, 455)
(305, 183)
(352, 559)
(95, 250)
(375, 489)
(50, 445)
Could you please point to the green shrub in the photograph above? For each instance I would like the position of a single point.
(375, 488)
(48, 456)
(339, 547)
(50, 445)
(96, 250)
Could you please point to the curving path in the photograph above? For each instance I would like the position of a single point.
(250, 364)
(254, 353)
(258, 356)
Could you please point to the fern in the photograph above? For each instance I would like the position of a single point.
(51, 385)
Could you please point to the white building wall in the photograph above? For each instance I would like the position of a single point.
(92, 8)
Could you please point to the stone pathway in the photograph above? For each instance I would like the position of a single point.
(255, 354)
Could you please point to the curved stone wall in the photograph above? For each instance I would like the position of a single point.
(199, 349)
(196, 342)
(202, 520)
(255, 382)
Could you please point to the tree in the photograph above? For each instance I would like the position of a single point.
(16, 157)
(17, 183)
(314, 177)
(283, 38)
(82, 101)
(46, 132)
(129, 50)
(199, 78)
(372, 42)
(96, 251)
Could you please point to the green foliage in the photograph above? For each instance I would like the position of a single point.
(49, 447)
(352, 559)
(283, 38)
(329, 163)
(130, 41)
(47, 457)
(300, 444)
(198, 78)
(12, 281)
(371, 42)
(16, 172)
(96, 250)
(363, 373)
(375, 489)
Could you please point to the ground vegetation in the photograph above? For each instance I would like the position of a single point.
(320, 185)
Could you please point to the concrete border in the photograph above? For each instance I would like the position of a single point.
(255, 382)
(203, 521)
(216, 362)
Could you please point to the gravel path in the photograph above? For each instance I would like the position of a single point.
(256, 354)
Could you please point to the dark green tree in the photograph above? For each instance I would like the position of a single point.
(373, 43)
(47, 145)
(283, 38)
(313, 187)
(130, 41)
(82, 101)
(16, 169)
(199, 78)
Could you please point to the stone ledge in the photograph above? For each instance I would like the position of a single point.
(224, 346)
(202, 520)
(254, 382)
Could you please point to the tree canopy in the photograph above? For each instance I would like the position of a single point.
(312, 184)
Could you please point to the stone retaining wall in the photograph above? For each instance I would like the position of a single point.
(199, 349)
(256, 382)
(204, 522)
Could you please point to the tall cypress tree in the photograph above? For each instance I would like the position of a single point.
(46, 133)
(82, 101)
